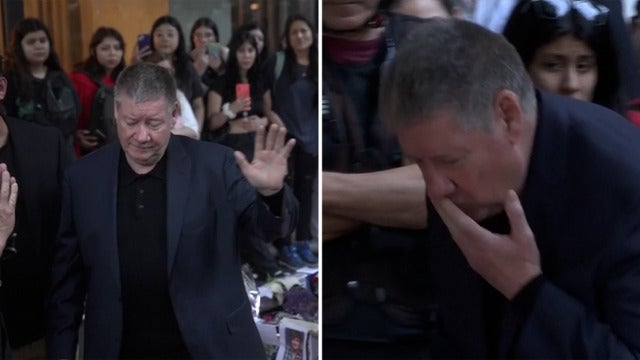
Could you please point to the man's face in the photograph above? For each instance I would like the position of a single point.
(144, 129)
(344, 15)
(474, 168)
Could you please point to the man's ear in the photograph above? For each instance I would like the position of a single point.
(3, 87)
(175, 112)
(508, 113)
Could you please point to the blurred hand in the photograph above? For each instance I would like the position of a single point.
(139, 54)
(200, 59)
(8, 199)
(269, 166)
(252, 123)
(240, 105)
(86, 140)
(215, 62)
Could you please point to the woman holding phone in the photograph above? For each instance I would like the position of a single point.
(102, 67)
(167, 38)
(208, 55)
(239, 102)
(237, 105)
(295, 99)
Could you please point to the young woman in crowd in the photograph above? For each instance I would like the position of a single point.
(38, 89)
(566, 48)
(240, 116)
(101, 68)
(295, 99)
(261, 41)
(186, 123)
(235, 116)
(206, 52)
(167, 38)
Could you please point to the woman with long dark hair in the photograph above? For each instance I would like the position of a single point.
(208, 55)
(101, 68)
(295, 100)
(167, 38)
(38, 89)
(566, 48)
(238, 104)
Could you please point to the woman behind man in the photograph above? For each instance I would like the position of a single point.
(567, 48)
(295, 100)
(101, 68)
(207, 54)
(238, 104)
(38, 88)
(167, 38)
(186, 122)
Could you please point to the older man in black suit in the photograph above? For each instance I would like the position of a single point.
(147, 235)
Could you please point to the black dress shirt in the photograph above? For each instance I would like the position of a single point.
(150, 328)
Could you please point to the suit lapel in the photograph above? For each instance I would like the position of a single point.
(110, 187)
(178, 177)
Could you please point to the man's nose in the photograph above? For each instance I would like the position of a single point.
(142, 133)
(438, 185)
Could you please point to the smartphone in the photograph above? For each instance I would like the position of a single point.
(99, 134)
(144, 41)
(243, 91)
(214, 49)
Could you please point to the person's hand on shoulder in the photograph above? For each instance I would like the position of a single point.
(269, 166)
(8, 199)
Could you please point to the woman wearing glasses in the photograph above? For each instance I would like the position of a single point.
(567, 49)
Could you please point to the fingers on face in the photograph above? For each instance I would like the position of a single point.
(515, 212)
(456, 220)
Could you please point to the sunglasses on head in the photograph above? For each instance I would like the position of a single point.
(554, 9)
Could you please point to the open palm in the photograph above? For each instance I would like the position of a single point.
(269, 166)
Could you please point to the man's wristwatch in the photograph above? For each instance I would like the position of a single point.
(226, 109)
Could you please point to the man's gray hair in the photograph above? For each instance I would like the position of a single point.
(145, 82)
(452, 65)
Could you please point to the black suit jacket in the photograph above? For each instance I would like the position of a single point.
(40, 156)
(207, 199)
(582, 201)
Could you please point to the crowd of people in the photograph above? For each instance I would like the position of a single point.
(480, 182)
(143, 138)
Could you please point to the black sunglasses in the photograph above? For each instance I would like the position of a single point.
(554, 9)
